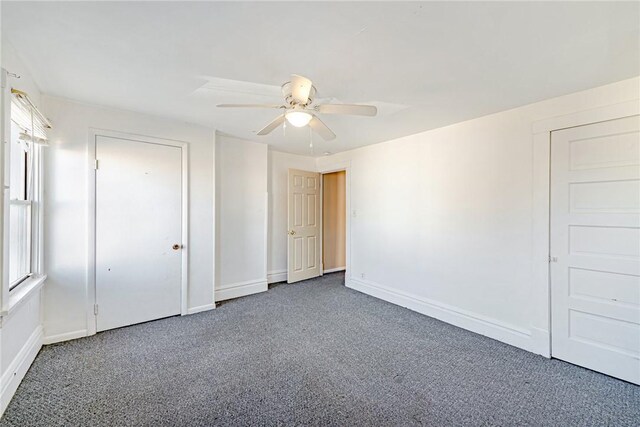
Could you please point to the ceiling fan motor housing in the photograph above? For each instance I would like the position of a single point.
(288, 96)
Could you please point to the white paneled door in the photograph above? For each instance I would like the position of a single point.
(138, 231)
(304, 226)
(595, 246)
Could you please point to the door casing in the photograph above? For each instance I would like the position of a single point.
(91, 217)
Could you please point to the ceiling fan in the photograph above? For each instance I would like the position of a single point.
(298, 96)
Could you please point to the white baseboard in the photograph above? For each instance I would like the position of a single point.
(241, 289)
(333, 270)
(18, 368)
(474, 322)
(201, 308)
(67, 336)
(276, 276)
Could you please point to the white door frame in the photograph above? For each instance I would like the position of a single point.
(541, 286)
(338, 167)
(91, 216)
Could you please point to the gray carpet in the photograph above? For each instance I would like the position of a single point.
(313, 353)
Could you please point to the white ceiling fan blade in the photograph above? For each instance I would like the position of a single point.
(321, 129)
(271, 126)
(249, 106)
(300, 89)
(351, 109)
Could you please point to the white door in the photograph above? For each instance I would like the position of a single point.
(138, 231)
(304, 226)
(595, 247)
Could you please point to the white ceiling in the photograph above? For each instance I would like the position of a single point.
(425, 64)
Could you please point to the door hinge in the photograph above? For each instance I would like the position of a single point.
(95, 309)
(95, 164)
(553, 258)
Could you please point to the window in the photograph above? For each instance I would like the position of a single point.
(20, 199)
(22, 162)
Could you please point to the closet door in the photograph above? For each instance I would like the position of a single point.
(595, 246)
(138, 231)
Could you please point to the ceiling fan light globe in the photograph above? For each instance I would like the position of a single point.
(298, 118)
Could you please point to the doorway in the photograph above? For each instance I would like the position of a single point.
(305, 233)
(334, 221)
(139, 230)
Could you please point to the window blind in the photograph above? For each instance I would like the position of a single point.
(25, 114)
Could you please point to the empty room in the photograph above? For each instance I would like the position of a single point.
(320, 213)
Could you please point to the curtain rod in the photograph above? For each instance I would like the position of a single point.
(25, 97)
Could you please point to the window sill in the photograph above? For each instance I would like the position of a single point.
(22, 293)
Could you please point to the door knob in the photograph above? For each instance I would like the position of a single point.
(291, 232)
(176, 247)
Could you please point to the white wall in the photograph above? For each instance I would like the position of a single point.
(21, 326)
(444, 219)
(12, 63)
(241, 215)
(66, 191)
(279, 165)
(21, 337)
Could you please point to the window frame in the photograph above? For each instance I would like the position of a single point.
(13, 292)
(34, 240)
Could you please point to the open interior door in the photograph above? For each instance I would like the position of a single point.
(303, 240)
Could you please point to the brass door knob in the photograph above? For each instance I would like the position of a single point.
(291, 232)
(176, 247)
